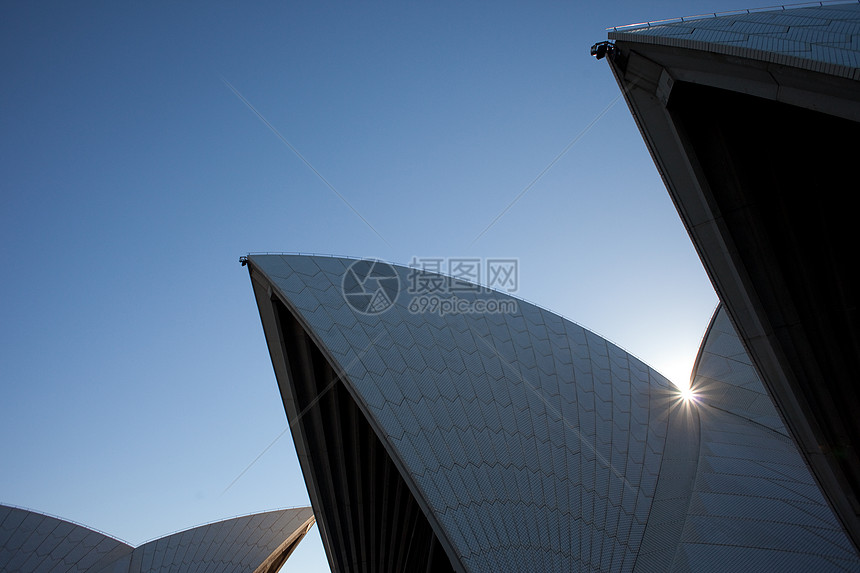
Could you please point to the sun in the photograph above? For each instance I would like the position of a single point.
(687, 394)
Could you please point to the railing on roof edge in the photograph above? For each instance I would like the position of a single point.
(67, 520)
(219, 521)
(728, 13)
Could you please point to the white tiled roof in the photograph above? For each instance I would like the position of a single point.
(539, 446)
(820, 38)
(33, 542)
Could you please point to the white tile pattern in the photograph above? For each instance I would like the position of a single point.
(31, 542)
(820, 38)
(539, 446)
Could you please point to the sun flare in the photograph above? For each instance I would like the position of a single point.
(687, 394)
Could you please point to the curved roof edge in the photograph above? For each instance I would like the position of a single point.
(709, 15)
(402, 367)
(33, 541)
(4, 505)
(813, 38)
(217, 521)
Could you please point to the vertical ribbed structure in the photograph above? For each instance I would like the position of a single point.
(752, 119)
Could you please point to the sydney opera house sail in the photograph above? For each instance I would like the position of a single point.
(517, 440)
(31, 542)
(753, 118)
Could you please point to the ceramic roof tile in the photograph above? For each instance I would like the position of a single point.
(816, 37)
(559, 458)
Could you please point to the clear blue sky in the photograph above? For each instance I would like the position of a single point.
(136, 383)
